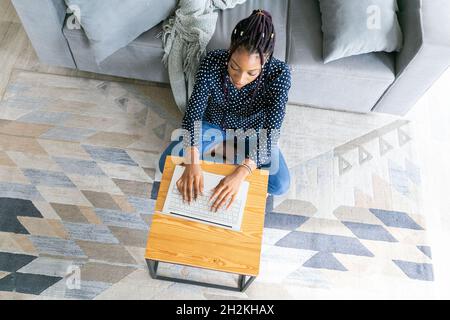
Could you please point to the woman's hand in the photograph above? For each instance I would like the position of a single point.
(190, 183)
(228, 188)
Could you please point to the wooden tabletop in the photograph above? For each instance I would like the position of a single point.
(180, 241)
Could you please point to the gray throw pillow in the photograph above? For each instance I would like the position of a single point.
(352, 27)
(113, 24)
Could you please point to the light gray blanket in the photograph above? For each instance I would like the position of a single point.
(185, 36)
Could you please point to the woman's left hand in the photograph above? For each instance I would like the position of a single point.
(227, 188)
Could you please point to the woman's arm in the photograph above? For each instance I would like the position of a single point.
(197, 104)
(190, 183)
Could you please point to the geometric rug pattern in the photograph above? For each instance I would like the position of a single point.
(78, 183)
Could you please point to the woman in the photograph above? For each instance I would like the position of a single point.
(245, 88)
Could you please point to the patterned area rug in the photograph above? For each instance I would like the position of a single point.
(78, 185)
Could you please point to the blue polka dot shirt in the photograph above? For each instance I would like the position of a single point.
(234, 110)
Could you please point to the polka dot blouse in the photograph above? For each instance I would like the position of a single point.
(233, 108)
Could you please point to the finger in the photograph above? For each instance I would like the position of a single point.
(219, 199)
(180, 186)
(231, 201)
(217, 191)
(201, 184)
(222, 200)
(227, 201)
(184, 192)
(196, 188)
(190, 191)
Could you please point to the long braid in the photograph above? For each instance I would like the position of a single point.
(256, 34)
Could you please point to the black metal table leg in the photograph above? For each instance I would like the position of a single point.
(153, 268)
(242, 283)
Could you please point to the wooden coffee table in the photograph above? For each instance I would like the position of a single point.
(179, 241)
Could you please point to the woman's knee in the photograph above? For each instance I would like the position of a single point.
(282, 188)
(280, 185)
(162, 161)
(168, 151)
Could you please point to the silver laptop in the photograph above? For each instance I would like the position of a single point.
(199, 210)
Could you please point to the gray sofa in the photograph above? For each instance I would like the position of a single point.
(380, 82)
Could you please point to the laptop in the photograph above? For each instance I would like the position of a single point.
(199, 210)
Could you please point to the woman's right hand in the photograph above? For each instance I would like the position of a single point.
(190, 183)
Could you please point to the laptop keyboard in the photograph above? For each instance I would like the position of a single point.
(199, 209)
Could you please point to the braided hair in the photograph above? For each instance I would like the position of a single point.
(256, 34)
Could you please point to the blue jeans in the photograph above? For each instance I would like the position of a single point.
(279, 178)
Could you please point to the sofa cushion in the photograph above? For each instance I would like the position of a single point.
(111, 25)
(228, 19)
(140, 59)
(354, 83)
(352, 27)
